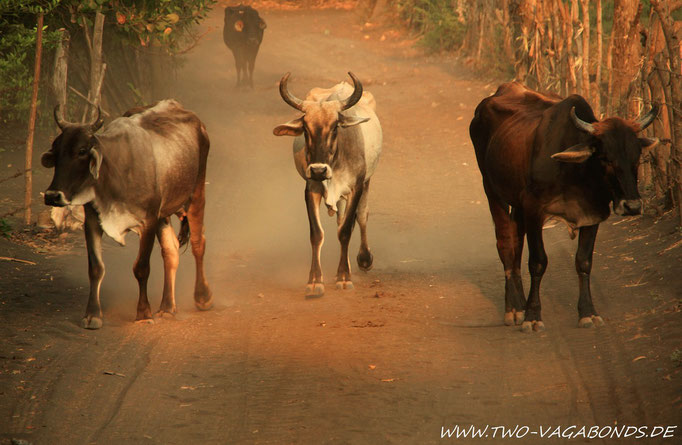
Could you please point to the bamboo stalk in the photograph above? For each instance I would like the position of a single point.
(675, 85)
(28, 186)
(586, 48)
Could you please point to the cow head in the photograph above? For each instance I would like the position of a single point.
(615, 144)
(76, 160)
(319, 124)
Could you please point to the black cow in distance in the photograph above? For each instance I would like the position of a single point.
(243, 34)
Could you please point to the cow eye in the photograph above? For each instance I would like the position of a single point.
(82, 152)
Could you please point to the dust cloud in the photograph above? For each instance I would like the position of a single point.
(256, 224)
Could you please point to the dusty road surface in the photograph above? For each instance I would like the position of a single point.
(417, 346)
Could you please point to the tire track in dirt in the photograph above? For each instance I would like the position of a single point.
(83, 398)
(597, 356)
(140, 364)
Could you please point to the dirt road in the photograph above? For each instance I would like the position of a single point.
(419, 344)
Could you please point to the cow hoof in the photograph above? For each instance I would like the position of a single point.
(204, 305)
(514, 317)
(591, 321)
(365, 261)
(530, 326)
(91, 322)
(168, 315)
(519, 316)
(347, 285)
(314, 290)
(145, 321)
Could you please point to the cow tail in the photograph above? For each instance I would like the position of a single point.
(183, 234)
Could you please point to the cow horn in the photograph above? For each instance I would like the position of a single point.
(288, 97)
(357, 93)
(97, 124)
(61, 123)
(647, 119)
(581, 124)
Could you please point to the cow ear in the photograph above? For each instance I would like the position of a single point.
(47, 159)
(649, 144)
(95, 162)
(349, 121)
(577, 153)
(291, 128)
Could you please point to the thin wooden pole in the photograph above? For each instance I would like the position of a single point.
(32, 123)
(600, 47)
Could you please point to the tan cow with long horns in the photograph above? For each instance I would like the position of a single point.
(336, 150)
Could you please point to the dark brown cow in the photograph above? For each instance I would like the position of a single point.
(542, 157)
(143, 168)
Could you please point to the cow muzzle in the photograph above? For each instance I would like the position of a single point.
(627, 207)
(55, 199)
(319, 172)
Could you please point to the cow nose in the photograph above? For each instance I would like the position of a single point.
(319, 171)
(55, 199)
(633, 206)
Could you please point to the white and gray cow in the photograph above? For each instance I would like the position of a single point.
(336, 150)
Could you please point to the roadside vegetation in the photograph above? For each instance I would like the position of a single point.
(141, 44)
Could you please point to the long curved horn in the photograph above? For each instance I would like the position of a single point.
(61, 123)
(288, 97)
(647, 119)
(357, 93)
(97, 124)
(581, 124)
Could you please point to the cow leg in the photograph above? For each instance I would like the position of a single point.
(517, 296)
(251, 64)
(93, 240)
(583, 265)
(171, 258)
(141, 271)
(345, 230)
(313, 197)
(509, 232)
(203, 298)
(537, 264)
(237, 65)
(365, 257)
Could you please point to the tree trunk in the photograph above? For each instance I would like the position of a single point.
(507, 27)
(624, 67)
(97, 68)
(60, 75)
